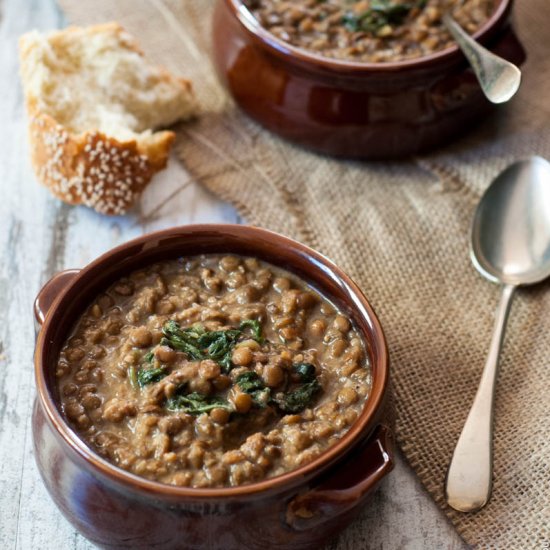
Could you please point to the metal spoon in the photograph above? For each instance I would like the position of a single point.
(499, 79)
(510, 245)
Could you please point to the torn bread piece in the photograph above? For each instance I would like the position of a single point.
(93, 103)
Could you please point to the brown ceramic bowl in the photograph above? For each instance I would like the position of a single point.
(351, 109)
(116, 509)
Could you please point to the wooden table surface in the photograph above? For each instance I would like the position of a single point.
(38, 237)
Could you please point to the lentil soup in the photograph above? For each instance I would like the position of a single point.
(369, 30)
(212, 371)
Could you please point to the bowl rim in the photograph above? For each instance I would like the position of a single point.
(292, 53)
(284, 481)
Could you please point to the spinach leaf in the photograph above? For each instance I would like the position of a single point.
(132, 376)
(199, 344)
(380, 14)
(256, 328)
(251, 383)
(304, 371)
(197, 403)
(150, 376)
(185, 340)
(219, 346)
(147, 375)
(291, 402)
(226, 364)
(297, 400)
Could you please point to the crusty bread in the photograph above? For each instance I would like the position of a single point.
(93, 102)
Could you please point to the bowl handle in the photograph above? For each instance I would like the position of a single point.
(50, 291)
(347, 487)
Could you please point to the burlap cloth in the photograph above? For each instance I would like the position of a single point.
(402, 231)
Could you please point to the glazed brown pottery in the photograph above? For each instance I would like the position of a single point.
(113, 508)
(352, 109)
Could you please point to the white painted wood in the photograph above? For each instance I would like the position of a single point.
(39, 236)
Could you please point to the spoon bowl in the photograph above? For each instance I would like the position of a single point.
(511, 229)
(499, 79)
(510, 245)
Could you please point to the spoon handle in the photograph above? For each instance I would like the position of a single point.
(469, 478)
(499, 79)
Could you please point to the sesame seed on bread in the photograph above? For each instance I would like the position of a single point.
(93, 104)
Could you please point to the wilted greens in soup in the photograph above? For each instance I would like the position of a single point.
(212, 371)
(369, 30)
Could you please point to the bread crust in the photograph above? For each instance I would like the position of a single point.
(92, 168)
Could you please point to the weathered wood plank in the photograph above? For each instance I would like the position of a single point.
(39, 236)
(26, 219)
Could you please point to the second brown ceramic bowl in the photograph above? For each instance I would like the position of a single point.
(352, 109)
(113, 508)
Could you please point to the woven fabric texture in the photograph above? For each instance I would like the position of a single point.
(401, 230)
